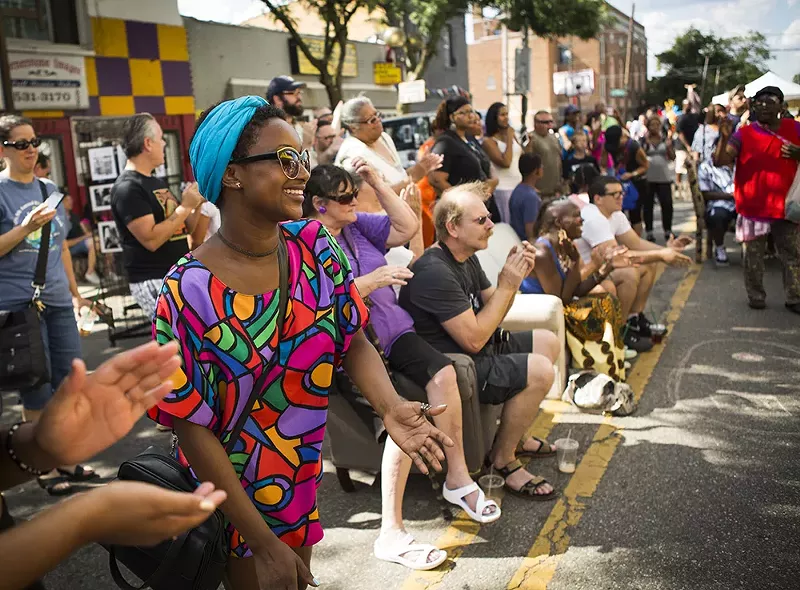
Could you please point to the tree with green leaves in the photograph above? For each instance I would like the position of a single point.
(796, 78)
(336, 14)
(545, 18)
(731, 61)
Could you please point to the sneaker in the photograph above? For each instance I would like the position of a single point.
(645, 328)
(757, 304)
(638, 343)
(720, 256)
(91, 277)
(630, 354)
(651, 237)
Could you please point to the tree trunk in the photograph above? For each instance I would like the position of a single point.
(333, 86)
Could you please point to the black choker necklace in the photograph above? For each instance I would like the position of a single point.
(247, 253)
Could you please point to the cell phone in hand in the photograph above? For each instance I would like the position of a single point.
(54, 200)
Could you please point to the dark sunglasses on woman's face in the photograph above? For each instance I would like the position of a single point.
(346, 198)
(289, 159)
(23, 144)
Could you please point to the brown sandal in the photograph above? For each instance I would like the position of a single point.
(528, 491)
(544, 450)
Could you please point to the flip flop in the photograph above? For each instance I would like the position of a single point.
(545, 449)
(457, 497)
(55, 486)
(81, 473)
(394, 553)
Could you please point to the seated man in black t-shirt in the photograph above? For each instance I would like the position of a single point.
(456, 310)
(153, 226)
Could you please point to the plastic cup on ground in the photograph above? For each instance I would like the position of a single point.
(567, 454)
(491, 484)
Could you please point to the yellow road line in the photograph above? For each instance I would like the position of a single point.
(539, 566)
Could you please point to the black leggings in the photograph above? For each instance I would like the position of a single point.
(662, 190)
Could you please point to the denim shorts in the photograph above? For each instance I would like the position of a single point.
(62, 344)
(79, 249)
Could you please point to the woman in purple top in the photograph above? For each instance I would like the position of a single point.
(330, 197)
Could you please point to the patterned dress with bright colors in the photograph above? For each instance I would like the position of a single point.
(228, 338)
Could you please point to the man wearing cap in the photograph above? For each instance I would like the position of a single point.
(287, 93)
(766, 154)
(544, 142)
(737, 105)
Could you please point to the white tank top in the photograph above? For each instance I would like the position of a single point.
(509, 177)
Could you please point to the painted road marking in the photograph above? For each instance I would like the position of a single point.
(539, 566)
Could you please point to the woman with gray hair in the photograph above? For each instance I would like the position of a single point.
(367, 140)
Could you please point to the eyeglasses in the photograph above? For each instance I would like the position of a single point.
(540, 122)
(23, 144)
(767, 100)
(346, 198)
(615, 194)
(483, 219)
(468, 113)
(296, 93)
(372, 120)
(289, 158)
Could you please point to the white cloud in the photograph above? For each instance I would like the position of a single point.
(791, 36)
(229, 11)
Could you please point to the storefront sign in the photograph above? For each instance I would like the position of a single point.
(301, 65)
(386, 74)
(48, 82)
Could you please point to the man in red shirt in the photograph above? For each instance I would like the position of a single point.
(766, 154)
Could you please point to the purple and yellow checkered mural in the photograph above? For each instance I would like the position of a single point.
(137, 67)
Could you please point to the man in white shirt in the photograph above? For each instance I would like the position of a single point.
(604, 226)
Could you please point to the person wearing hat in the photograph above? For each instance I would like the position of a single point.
(572, 115)
(287, 93)
(737, 105)
(766, 154)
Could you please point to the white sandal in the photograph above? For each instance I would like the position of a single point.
(457, 497)
(394, 552)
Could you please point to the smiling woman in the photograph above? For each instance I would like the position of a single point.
(261, 284)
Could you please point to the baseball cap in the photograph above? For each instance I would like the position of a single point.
(774, 90)
(281, 84)
(737, 90)
(571, 108)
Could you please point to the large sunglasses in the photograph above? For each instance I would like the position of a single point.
(372, 120)
(23, 144)
(483, 219)
(346, 198)
(289, 158)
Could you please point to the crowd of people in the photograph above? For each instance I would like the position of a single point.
(306, 259)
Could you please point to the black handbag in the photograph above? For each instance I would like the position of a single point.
(23, 364)
(196, 559)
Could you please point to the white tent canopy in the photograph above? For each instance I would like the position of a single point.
(791, 91)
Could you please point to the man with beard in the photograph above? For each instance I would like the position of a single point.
(287, 93)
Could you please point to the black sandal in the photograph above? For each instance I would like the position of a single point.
(545, 449)
(528, 491)
(56, 486)
(81, 473)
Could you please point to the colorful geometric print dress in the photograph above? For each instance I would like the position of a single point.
(227, 338)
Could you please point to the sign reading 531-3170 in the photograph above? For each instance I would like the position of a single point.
(48, 82)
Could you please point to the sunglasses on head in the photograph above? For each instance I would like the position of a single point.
(23, 144)
(483, 219)
(289, 158)
(346, 198)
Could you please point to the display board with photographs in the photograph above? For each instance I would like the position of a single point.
(100, 197)
(103, 164)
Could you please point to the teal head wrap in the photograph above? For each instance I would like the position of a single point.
(215, 139)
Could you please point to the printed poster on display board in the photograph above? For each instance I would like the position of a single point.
(102, 164)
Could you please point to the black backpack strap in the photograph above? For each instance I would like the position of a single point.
(283, 299)
(44, 245)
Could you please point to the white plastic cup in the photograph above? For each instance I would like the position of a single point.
(491, 484)
(86, 321)
(567, 454)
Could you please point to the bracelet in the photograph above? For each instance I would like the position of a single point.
(13, 454)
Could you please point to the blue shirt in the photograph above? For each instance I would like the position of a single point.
(523, 207)
(17, 267)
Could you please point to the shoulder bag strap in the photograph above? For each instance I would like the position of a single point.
(44, 246)
(283, 299)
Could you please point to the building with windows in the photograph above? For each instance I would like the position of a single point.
(557, 65)
(94, 63)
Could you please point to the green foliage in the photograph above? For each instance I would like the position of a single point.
(739, 60)
(796, 78)
(554, 18)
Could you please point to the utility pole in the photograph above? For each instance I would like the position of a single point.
(36, 13)
(703, 85)
(628, 55)
(522, 77)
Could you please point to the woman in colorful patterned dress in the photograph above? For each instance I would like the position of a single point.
(221, 301)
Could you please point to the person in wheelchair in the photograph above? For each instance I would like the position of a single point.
(331, 197)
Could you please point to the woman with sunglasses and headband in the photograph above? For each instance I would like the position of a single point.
(222, 303)
(22, 227)
(367, 140)
(365, 239)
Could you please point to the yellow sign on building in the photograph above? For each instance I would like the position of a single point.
(386, 74)
(317, 49)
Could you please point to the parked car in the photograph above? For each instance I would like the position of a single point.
(409, 132)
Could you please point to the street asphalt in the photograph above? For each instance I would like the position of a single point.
(698, 490)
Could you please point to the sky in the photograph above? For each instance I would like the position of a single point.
(778, 20)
